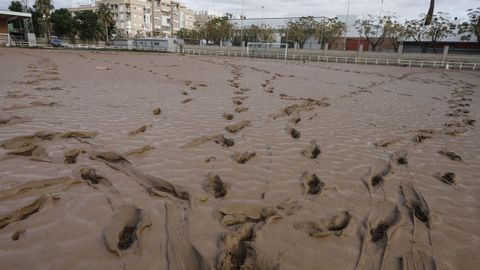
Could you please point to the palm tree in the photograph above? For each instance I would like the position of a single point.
(428, 18)
(45, 8)
(105, 16)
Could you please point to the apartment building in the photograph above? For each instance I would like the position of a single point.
(202, 17)
(163, 18)
(187, 18)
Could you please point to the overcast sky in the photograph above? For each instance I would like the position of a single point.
(280, 8)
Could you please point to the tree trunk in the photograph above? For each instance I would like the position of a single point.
(106, 35)
(428, 18)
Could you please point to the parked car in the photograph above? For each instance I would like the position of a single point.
(55, 42)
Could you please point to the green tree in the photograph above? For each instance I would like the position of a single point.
(266, 34)
(396, 32)
(86, 25)
(328, 30)
(36, 20)
(416, 29)
(472, 26)
(218, 29)
(301, 29)
(189, 36)
(436, 31)
(44, 7)
(105, 19)
(15, 6)
(372, 28)
(63, 23)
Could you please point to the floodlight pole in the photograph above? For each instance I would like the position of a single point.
(262, 14)
(346, 28)
(241, 29)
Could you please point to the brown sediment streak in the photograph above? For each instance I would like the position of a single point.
(23, 212)
(36, 184)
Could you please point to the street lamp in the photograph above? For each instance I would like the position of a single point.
(262, 15)
(241, 29)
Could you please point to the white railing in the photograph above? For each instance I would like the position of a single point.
(343, 60)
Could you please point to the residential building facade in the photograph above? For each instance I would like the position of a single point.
(141, 18)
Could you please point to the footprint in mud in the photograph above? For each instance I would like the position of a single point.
(91, 176)
(210, 159)
(237, 102)
(312, 151)
(377, 173)
(78, 134)
(228, 116)
(388, 141)
(186, 100)
(451, 155)
(215, 186)
(219, 139)
(239, 126)
(295, 120)
(448, 178)
(377, 233)
(294, 133)
(289, 206)
(70, 156)
(400, 157)
(185, 93)
(125, 230)
(469, 121)
(242, 158)
(17, 234)
(312, 185)
(420, 137)
(225, 142)
(417, 205)
(139, 130)
(326, 227)
(236, 249)
(157, 111)
(241, 109)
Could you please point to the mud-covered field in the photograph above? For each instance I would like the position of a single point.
(147, 161)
